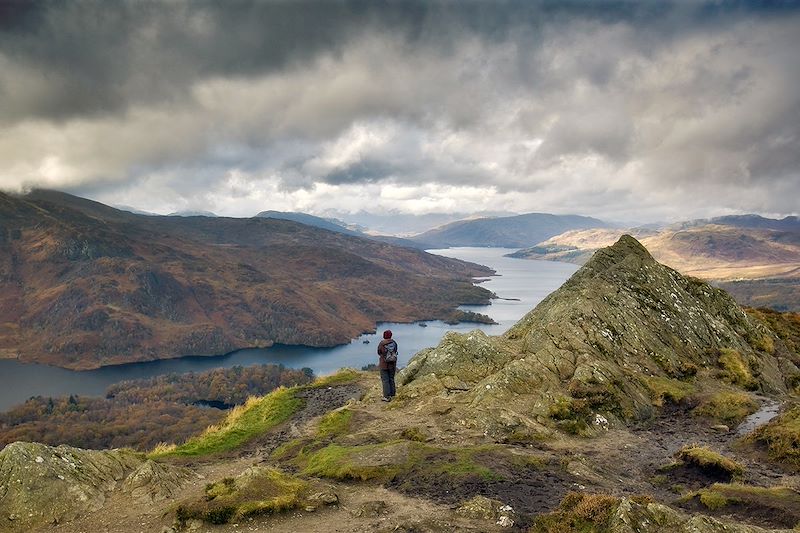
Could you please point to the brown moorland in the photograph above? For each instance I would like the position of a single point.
(83, 285)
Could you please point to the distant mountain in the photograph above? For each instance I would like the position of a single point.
(790, 223)
(405, 224)
(134, 210)
(757, 259)
(311, 220)
(84, 285)
(338, 227)
(509, 232)
(193, 213)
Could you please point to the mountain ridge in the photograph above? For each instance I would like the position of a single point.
(756, 259)
(508, 232)
(332, 225)
(80, 278)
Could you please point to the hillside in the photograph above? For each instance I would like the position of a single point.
(508, 232)
(612, 406)
(84, 285)
(620, 322)
(330, 225)
(756, 259)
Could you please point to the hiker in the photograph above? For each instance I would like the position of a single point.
(387, 362)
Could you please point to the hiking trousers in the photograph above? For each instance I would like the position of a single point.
(387, 379)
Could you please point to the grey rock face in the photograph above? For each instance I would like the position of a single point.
(42, 484)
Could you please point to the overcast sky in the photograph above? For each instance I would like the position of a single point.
(625, 111)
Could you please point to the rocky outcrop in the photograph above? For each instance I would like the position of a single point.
(41, 484)
(583, 357)
(154, 482)
(637, 517)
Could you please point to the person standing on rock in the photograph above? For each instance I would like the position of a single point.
(387, 362)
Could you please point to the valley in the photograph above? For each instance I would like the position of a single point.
(85, 285)
(613, 405)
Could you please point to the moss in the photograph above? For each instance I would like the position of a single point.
(736, 370)
(728, 407)
(665, 389)
(335, 423)
(659, 480)
(570, 415)
(785, 325)
(561, 408)
(256, 491)
(782, 438)
(526, 436)
(242, 424)
(464, 462)
(707, 459)
(713, 500)
(221, 488)
(345, 462)
(289, 449)
(678, 488)
(387, 460)
(782, 501)
(342, 377)
(578, 513)
(415, 434)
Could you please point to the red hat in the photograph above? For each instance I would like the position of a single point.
(387, 334)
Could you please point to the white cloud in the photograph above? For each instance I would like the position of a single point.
(606, 118)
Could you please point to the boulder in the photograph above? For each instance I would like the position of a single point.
(41, 484)
(582, 358)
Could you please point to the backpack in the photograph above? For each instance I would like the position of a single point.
(391, 352)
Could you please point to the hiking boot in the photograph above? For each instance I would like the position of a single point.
(385, 399)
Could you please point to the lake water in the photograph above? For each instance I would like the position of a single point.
(524, 283)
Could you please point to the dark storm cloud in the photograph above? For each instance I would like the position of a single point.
(90, 57)
(549, 103)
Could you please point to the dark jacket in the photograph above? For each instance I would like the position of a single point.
(383, 364)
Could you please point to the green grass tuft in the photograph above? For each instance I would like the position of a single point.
(666, 389)
(782, 438)
(781, 501)
(706, 458)
(342, 377)
(736, 370)
(241, 425)
(256, 491)
(728, 407)
(578, 512)
(415, 434)
(344, 462)
(713, 500)
(335, 423)
(387, 460)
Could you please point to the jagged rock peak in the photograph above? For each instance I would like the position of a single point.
(625, 246)
(627, 256)
(598, 341)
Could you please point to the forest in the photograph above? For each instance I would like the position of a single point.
(139, 414)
